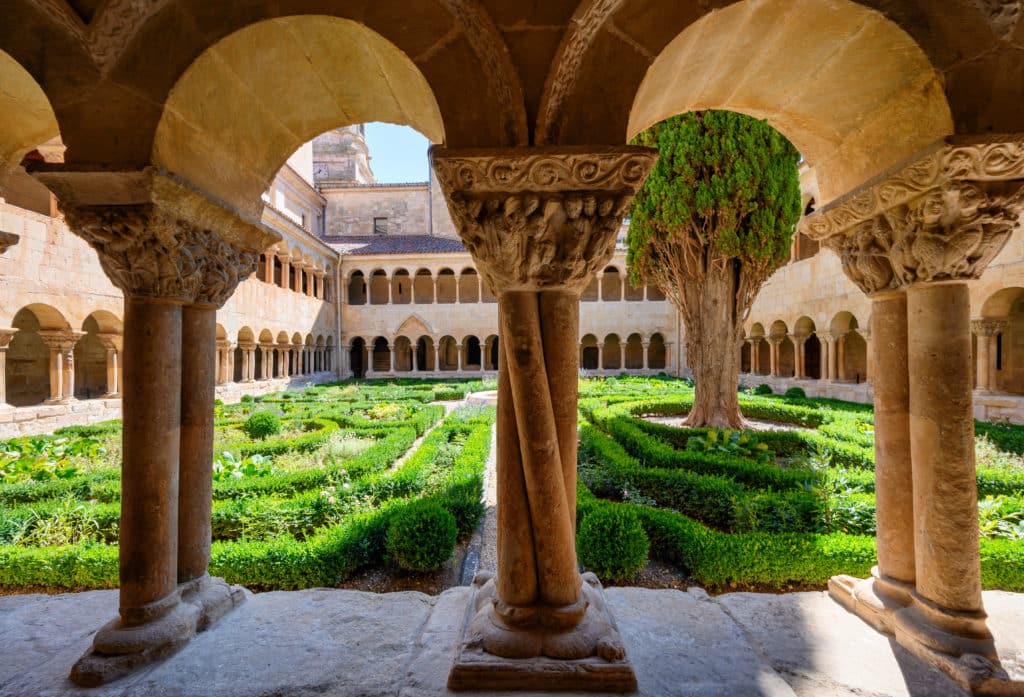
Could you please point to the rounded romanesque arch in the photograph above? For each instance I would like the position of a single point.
(634, 352)
(380, 288)
(96, 355)
(357, 288)
(357, 357)
(611, 284)
(611, 358)
(401, 287)
(29, 355)
(381, 355)
(469, 286)
(1002, 328)
(423, 287)
(26, 118)
(589, 353)
(448, 353)
(657, 357)
(447, 286)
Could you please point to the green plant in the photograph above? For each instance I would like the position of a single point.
(795, 393)
(71, 523)
(386, 411)
(612, 543)
(422, 536)
(996, 519)
(248, 398)
(227, 467)
(735, 443)
(763, 389)
(262, 425)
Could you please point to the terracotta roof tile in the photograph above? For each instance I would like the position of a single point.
(365, 245)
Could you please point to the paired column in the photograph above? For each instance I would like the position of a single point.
(62, 363)
(986, 330)
(174, 272)
(539, 224)
(112, 344)
(647, 354)
(913, 240)
(774, 342)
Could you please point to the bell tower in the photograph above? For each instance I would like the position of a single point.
(341, 157)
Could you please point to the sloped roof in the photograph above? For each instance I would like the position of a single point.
(365, 245)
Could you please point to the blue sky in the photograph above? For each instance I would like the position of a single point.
(398, 153)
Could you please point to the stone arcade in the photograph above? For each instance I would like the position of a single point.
(533, 104)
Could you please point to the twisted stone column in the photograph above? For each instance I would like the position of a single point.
(925, 228)
(539, 223)
(161, 252)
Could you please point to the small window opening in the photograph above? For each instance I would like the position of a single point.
(380, 226)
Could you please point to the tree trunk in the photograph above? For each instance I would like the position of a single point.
(713, 346)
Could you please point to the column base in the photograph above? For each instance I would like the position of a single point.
(958, 644)
(588, 656)
(118, 649)
(874, 599)
(213, 596)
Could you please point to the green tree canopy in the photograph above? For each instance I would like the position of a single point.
(724, 182)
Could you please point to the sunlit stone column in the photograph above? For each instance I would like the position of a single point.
(6, 335)
(646, 344)
(437, 356)
(67, 356)
(926, 228)
(150, 241)
(112, 344)
(539, 223)
(986, 330)
(774, 341)
(285, 260)
(53, 341)
(755, 355)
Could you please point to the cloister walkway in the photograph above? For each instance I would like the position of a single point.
(347, 643)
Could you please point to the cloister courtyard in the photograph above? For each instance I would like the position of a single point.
(246, 387)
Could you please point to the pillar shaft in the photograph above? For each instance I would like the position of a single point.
(149, 481)
(893, 470)
(195, 496)
(942, 443)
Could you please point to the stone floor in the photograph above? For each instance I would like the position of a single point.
(339, 642)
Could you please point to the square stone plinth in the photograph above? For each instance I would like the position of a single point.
(475, 669)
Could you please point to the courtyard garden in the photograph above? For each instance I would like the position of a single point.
(309, 488)
(785, 504)
(320, 486)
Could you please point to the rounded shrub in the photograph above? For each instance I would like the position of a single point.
(422, 536)
(612, 543)
(262, 424)
(796, 393)
(763, 389)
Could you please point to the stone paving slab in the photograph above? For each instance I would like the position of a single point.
(351, 643)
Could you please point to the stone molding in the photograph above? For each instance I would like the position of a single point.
(941, 216)
(539, 218)
(6, 335)
(988, 326)
(775, 339)
(61, 339)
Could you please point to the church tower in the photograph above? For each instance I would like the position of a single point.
(341, 157)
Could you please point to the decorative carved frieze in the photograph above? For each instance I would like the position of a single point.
(540, 218)
(988, 326)
(942, 216)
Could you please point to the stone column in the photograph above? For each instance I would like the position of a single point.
(6, 335)
(229, 363)
(437, 356)
(223, 373)
(285, 270)
(112, 344)
(755, 355)
(268, 267)
(296, 285)
(600, 286)
(986, 330)
(391, 357)
(319, 276)
(458, 351)
(67, 354)
(869, 370)
(774, 342)
(539, 223)
(152, 248)
(600, 356)
(927, 228)
(840, 360)
(832, 341)
(53, 341)
(647, 351)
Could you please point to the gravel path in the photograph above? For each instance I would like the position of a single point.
(752, 424)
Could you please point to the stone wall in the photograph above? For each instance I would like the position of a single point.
(351, 210)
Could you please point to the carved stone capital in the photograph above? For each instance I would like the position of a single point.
(7, 240)
(111, 342)
(942, 215)
(775, 339)
(156, 237)
(989, 326)
(540, 218)
(62, 340)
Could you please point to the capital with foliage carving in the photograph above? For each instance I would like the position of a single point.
(988, 326)
(540, 218)
(942, 215)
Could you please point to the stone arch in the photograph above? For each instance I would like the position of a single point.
(423, 287)
(27, 120)
(402, 347)
(449, 353)
(634, 352)
(851, 348)
(769, 59)
(381, 355)
(611, 358)
(357, 357)
(379, 287)
(357, 288)
(757, 329)
(611, 284)
(469, 286)
(447, 286)
(103, 334)
(632, 293)
(1006, 346)
(425, 353)
(414, 325)
(657, 354)
(589, 355)
(27, 372)
(590, 291)
(472, 353)
(401, 287)
(248, 71)
(492, 349)
(805, 327)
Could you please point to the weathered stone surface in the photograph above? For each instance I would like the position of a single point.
(341, 643)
